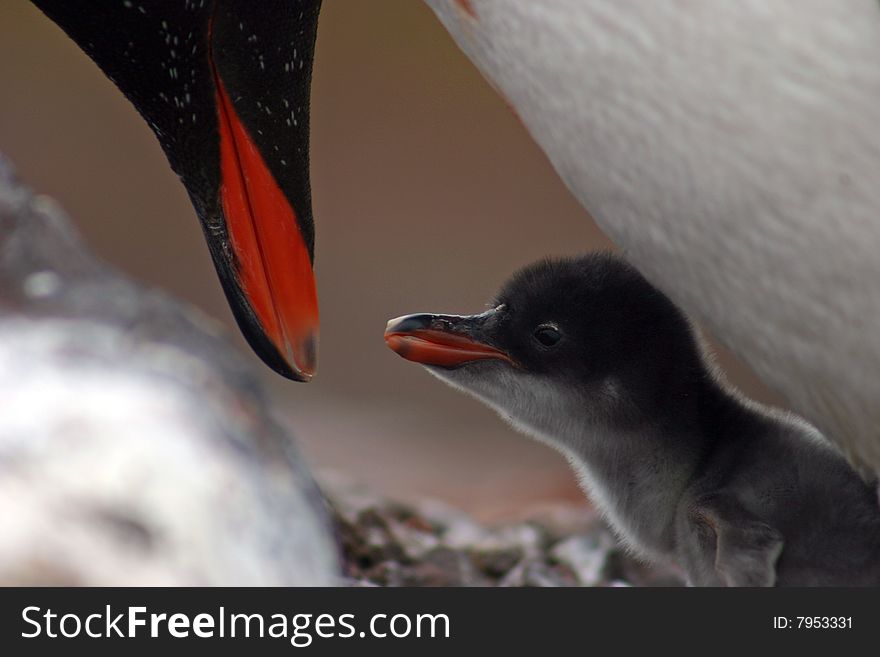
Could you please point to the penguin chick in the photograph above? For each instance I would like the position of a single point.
(587, 356)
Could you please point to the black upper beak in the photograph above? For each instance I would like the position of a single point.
(225, 86)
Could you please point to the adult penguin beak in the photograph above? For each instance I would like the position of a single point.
(225, 85)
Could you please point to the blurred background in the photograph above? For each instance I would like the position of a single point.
(427, 194)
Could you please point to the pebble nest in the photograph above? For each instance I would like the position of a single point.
(388, 543)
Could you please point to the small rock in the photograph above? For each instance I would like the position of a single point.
(444, 566)
(586, 555)
(539, 573)
(528, 538)
(497, 563)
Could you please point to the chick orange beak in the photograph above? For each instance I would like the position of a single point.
(441, 340)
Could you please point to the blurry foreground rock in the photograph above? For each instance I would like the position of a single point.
(136, 446)
(386, 543)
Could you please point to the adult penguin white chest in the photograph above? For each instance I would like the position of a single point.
(732, 150)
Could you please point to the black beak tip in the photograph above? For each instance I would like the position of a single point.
(270, 355)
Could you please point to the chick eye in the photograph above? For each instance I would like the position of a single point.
(547, 335)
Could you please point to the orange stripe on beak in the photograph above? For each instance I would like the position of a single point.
(274, 267)
(433, 347)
